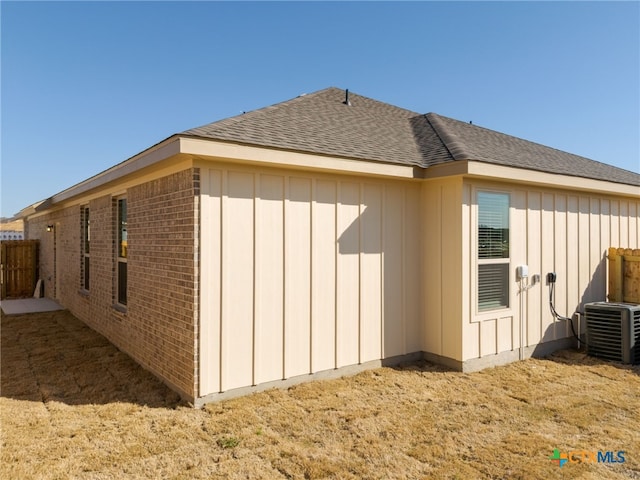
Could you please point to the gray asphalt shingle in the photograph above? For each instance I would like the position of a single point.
(471, 142)
(370, 130)
(321, 123)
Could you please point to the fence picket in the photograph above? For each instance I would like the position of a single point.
(19, 268)
(624, 275)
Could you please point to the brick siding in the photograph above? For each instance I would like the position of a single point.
(159, 327)
(162, 275)
(65, 239)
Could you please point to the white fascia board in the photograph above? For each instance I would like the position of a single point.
(532, 177)
(227, 151)
(205, 148)
(194, 147)
(153, 155)
(27, 211)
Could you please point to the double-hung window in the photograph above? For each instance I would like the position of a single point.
(493, 250)
(86, 239)
(121, 267)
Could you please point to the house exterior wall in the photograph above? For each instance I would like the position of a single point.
(442, 267)
(551, 230)
(159, 326)
(163, 275)
(247, 275)
(59, 252)
(304, 273)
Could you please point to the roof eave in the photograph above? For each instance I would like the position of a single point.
(204, 148)
(152, 155)
(503, 173)
(197, 147)
(29, 210)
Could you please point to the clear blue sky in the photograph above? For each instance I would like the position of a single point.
(88, 85)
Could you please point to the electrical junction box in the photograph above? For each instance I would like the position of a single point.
(522, 271)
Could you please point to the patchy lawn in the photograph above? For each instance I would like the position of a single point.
(73, 406)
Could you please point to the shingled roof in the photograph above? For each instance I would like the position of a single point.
(367, 129)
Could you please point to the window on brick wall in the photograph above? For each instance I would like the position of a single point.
(121, 267)
(84, 248)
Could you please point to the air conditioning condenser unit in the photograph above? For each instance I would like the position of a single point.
(613, 331)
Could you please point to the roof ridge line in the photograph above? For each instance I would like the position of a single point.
(260, 110)
(452, 142)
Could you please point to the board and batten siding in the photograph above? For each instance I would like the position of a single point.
(442, 247)
(550, 231)
(302, 274)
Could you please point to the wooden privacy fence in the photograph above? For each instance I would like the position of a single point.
(624, 275)
(19, 267)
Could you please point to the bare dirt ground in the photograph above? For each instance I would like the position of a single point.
(73, 406)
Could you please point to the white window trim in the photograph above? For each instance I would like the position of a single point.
(499, 312)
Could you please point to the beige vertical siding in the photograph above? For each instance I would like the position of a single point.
(297, 276)
(371, 228)
(551, 231)
(269, 309)
(237, 280)
(412, 288)
(444, 294)
(323, 276)
(537, 238)
(395, 333)
(302, 274)
(348, 274)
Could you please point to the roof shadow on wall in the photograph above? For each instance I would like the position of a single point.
(54, 357)
(355, 239)
(364, 233)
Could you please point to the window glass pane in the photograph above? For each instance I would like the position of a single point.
(493, 286)
(84, 247)
(493, 225)
(86, 273)
(122, 228)
(87, 231)
(122, 283)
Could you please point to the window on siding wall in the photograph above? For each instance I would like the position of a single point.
(493, 251)
(121, 226)
(86, 240)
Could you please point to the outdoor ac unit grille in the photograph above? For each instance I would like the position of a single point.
(635, 348)
(613, 331)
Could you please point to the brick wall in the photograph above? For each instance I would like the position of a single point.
(159, 327)
(163, 276)
(64, 240)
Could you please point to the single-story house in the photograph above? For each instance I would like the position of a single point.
(328, 234)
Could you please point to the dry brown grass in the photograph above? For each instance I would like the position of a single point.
(73, 406)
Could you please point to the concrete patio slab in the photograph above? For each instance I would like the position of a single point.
(21, 306)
